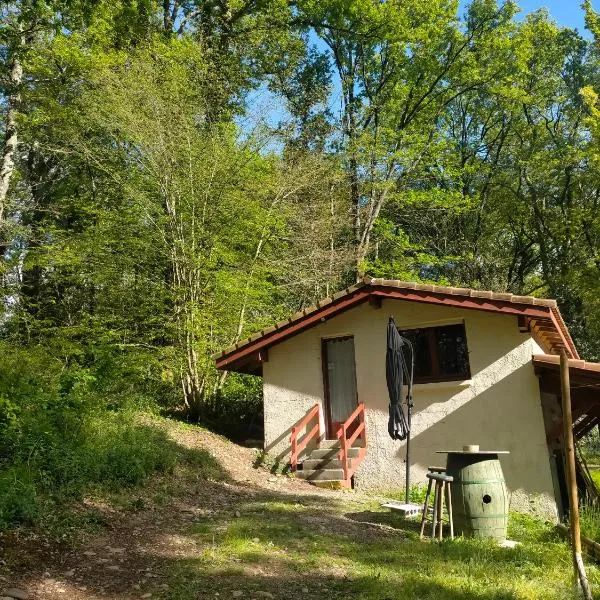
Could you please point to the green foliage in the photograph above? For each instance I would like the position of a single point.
(66, 428)
(155, 216)
(589, 518)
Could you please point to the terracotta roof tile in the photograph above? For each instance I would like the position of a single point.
(503, 297)
(553, 339)
(481, 294)
(458, 291)
(523, 299)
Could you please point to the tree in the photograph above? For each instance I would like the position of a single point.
(399, 65)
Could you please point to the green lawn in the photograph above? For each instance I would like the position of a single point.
(213, 528)
(321, 548)
(595, 476)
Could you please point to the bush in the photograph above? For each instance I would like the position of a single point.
(65, 431)
(236, 410)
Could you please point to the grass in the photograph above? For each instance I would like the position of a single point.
(241, 536)
(112, 454)
(590, 515)
(315, 548)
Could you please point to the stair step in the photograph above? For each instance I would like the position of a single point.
(316, 474)
(331, 453)
(323, 463)
(338, 444)
(330, 444)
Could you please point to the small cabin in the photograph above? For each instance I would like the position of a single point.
(486, 373)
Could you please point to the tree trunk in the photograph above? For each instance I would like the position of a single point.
(9, 149)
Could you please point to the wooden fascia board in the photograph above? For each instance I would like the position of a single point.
(293, 328)
(541, 367)
(485, 304)
(566, 339)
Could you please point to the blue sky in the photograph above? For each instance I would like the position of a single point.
(266, 108)
(565, 12)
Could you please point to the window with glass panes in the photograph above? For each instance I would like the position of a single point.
(441, 353)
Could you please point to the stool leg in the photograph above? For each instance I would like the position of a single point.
(424, 517)
(449, 508)
(440, 508)
(435, 510)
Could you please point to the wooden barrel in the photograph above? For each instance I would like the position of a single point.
(479, 495)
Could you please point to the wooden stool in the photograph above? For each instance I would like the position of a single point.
(436, 469)
(443, 484)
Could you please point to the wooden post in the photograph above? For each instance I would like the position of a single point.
(449, 507)
(569, 446)
(424, 516)
(440, 508)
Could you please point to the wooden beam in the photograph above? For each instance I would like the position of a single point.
(524, 323)
(585, 426)
(578, 411)
(375, 301)
(543, 327)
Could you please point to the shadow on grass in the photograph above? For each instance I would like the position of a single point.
(388, 519)
(218, 536)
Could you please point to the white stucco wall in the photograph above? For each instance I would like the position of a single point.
(499, 408)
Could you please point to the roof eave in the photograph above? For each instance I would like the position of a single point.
(554, 335)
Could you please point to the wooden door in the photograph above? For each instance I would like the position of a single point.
(339, 378)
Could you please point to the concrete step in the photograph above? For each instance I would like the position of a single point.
(338, 444)
(323, 463)
(317, 474)
(331, 453)
(330, 444)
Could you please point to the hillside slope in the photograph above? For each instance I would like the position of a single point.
(224, 529)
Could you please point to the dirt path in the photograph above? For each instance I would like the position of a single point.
(126, 559)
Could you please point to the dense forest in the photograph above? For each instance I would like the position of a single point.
(177, 174)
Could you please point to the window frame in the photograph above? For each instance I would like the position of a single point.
(436, 376)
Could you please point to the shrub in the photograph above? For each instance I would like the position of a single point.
(64, 431)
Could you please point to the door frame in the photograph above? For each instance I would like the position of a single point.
(330, 433)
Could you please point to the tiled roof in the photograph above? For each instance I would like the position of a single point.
(455, 291)
(542, 315)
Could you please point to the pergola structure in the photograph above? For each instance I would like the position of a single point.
(585, 402)
(585, 393)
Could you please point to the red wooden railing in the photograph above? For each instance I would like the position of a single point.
(298, 428)
(346, 442)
